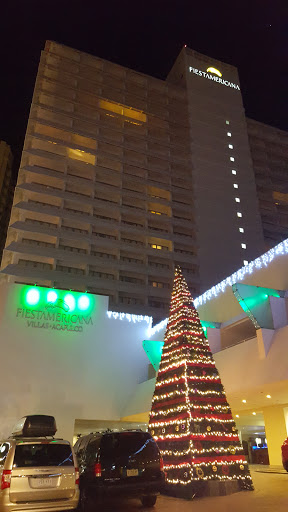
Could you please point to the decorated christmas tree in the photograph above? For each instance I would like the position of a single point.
(190, 417)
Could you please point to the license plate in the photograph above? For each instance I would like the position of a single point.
(42, 483)
(132, 472)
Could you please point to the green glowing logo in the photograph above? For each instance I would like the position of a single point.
(55, 309)
(68, 302)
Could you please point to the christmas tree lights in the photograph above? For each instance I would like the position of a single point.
(190, 417)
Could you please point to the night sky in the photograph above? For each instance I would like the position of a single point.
(147, 36)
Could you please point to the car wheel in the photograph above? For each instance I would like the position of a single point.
(148, 501)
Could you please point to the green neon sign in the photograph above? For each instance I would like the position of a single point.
(55, 309)
(61, 299)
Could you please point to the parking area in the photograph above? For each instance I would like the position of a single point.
(271, 494)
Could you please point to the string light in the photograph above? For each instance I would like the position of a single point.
(190, 418)
(131, 318)
(263, 261)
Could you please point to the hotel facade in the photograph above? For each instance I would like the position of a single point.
(123, 175)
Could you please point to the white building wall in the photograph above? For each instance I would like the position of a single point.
(83, 375)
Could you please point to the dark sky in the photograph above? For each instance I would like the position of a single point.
(147, 36)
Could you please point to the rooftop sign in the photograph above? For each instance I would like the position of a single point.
(215, 75)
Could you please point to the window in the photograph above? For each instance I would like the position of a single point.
(155, 303)
(230, 146)
(104, 235)
(241, 230)
(35, 264)
(229, 134)
(78, 154)
(92, 449)
(131, 260)
(101, 275)
(245, 262)
(130, 300)
(71, 249)
(39, 455)
(234, 172)
(129, 279)
(156, 213)
(239, 214)
(158, 284)
(103, 255)
(237, 199)
(29, 241)
(232, 159)
(157, 264)
(70, 270)
(131, 241)
(235, 185)
(123, 111)
(160, 247)
(243, 246)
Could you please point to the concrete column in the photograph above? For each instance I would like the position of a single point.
(214, 339)
(276, 432)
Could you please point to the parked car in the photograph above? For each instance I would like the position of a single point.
(114, 464)
(284, 449)
(37, 471)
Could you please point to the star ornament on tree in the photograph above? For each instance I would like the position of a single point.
(190, 417)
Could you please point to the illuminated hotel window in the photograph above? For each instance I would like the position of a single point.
(280, 196)
(160, 247)
(156, 213)
(229, 134)
(232, 159)
(235, 185)
(237, 199)
(245, 262)
(230, 146)
(233, 171)
(239, 214)
(243, 246)
(241, 230)
(123, 111)
(78, 154)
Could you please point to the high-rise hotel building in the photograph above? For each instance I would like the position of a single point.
(123, 175)
(269, 151)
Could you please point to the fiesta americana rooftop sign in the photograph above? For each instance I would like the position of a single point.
(213, 74)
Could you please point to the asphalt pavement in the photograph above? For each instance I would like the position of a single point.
(270, 495)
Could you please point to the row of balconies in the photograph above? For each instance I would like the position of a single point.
(114, 238)
(106, 166)
(73, 151)
(153, 141)
(107, 247)
(102, 130)
(72, 92)
(112, 280)
(91, 112)
(161, 94)
(89, 66)
(108, 229)
(85, 210)
(87, 172)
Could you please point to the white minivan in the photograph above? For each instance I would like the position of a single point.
(37, 471)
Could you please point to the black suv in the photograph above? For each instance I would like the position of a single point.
(114, 464)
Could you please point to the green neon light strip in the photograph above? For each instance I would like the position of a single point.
(36, 296)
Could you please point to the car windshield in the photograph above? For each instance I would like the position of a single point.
(128, 443)
(48, 454)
